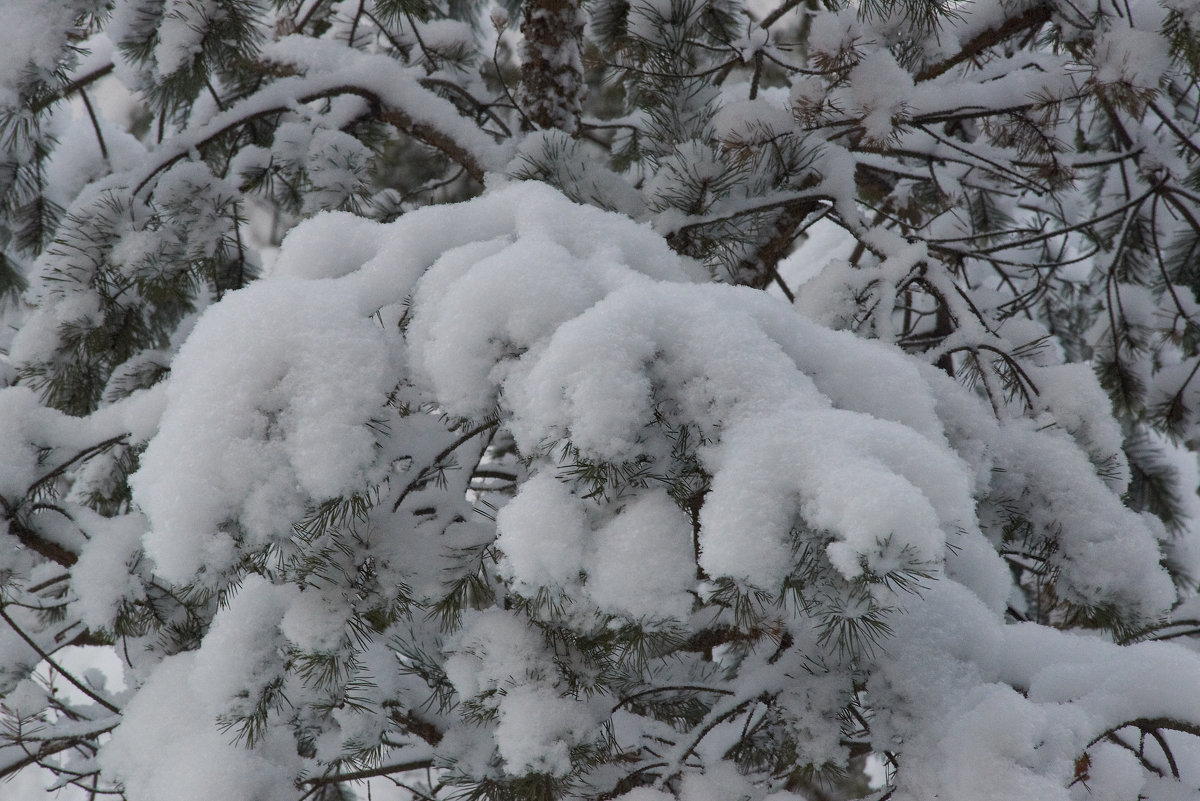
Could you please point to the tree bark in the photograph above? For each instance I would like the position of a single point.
(552, 84)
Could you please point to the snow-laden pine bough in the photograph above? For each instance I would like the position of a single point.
(504, 499)
(510, 501)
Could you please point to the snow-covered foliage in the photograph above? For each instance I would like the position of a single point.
(650, 400)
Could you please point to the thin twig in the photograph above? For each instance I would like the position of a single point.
(50, 661)
(87, 104)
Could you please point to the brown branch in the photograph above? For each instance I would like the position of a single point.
(1032, 17)
(707, 727)
(50, 661)
(430, 136)
(479, 106)
(84, 454)
(552, 87)
(1166, 749)
(370, 773)
(91, 112)
(763, 266)
(695, 688)
(421, 728)
(679, 239)
(73, 86)
(47, 749)
(428, 471)
(778, 13)
(34, 541)
(1151, 724)
(395, 117)
(705, 640)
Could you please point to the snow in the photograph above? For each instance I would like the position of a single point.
(873, 484)
(314, 621)
(879, 88)
(191, 759)
(261, 377)
(1105, 549)
(1128, 56)
(543, 532)
(181, 34)
(831, 35)
(641, 561)
(103, 577)
(721, 780)
(336, 168)
(242, 644)
(35, 31)
(77, 160)
(573, 326)
(18, 409)
(645, 794)
(608, 505)
(535, 724)
(1082, 409)
(381, 75)
(552, 273)
(535, 730)
(491, 649)
(304, 255)
(750, 119)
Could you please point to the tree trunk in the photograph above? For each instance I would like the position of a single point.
(552, 85)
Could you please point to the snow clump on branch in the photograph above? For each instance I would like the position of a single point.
(846, 487)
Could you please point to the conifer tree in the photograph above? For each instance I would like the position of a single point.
(638, 399)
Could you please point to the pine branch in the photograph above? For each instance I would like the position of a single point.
(368, 773)
(430, 470)
(265, 105)
(74, 86)
(44, 751)
(1033, 17)
(34, 541)
(82, 455)
(83, 688)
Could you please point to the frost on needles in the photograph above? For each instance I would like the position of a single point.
(660, 400)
